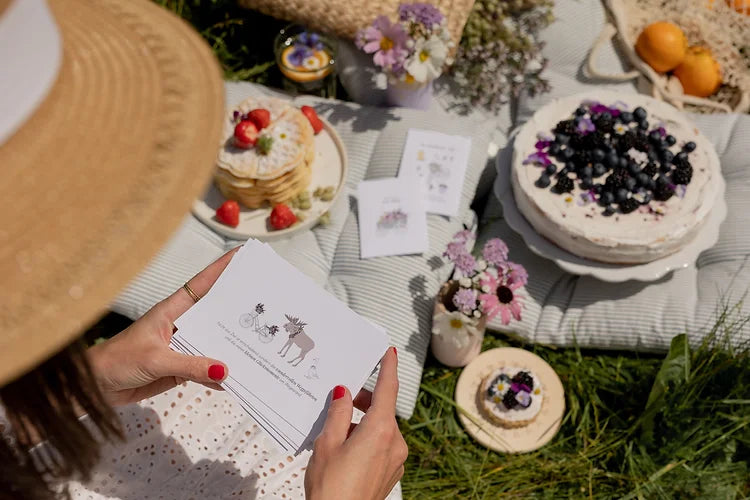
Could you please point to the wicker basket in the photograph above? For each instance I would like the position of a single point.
(730, 98)
(344, 17)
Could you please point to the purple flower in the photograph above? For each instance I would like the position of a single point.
(585, 126)
(454, 250)
(540, 145)
(299, 54)
(464, 236)
(516, 274)
(386, 40)
(680, 190)
(495, 252)
(311, 40)
(466, 263)
(524, 398)
(423, 13)
(538, 158)
(662, 131)
(518, 387)
(598, 108)
(586, 198)
(465, 300)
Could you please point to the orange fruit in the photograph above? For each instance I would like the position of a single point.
(662, 45)
(741, 6)
(699, 73)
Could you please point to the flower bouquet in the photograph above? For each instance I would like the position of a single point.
(483, 288)
(411, 52)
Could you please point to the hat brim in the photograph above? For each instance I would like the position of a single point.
(102, 173)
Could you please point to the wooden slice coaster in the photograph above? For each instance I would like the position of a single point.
(518, 440)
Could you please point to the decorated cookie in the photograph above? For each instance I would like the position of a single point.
(511, 396)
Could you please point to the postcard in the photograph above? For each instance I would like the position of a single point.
(392, 218)
(440, 161)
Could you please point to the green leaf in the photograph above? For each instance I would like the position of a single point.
(674, 370)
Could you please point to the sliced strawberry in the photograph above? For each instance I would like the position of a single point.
(282, 217)
(260, 117)
(229, 213)
(312, 116)
(245, 134)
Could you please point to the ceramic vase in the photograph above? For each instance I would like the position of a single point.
(443, 347)
(409, 95)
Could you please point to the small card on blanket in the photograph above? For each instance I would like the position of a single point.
(286, 341)
(440, 161)
(392, 218)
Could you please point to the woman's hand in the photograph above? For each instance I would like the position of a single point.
(138, 363)
(362, 461)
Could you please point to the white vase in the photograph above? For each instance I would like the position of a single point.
(443, 347)
(409, 95)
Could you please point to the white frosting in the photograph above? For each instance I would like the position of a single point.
(642, 235)
(517, 414)
(292, 141)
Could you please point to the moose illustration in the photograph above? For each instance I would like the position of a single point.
(298, 337)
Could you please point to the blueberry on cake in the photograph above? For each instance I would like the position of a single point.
(511, 397)
(612, 178)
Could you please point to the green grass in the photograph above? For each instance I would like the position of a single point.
(635, 426)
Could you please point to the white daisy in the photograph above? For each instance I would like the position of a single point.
(620, 128)
(427, 62)
(454, 327)
(465, 282)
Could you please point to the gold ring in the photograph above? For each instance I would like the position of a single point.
(190, 292)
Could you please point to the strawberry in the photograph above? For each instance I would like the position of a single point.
(282, 217)
(260, 117)
(245, 134)
(229, 213)
(312, 116)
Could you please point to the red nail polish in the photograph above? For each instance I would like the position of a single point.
(395, 351)
(216, 372)
(338, 392)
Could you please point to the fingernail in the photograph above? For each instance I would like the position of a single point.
(338, 392)
(395, 351)
(216, 372)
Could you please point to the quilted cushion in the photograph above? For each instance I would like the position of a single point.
(563, 309)
(395, 292)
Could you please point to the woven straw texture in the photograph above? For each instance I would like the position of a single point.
(344, 17)
(103, 172)
(718, 27)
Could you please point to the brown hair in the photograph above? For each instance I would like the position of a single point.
(44, 405)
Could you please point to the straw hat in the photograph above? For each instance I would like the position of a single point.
(108, 142)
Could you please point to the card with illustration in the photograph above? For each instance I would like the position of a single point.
(440, 161)
(392, 218)
(286, 341)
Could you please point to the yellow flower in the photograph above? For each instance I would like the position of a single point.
(500, 387)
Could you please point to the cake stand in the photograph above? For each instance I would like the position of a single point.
(706, 237)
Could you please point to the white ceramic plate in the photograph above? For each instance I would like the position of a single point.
(613, 273)
(328, 169)
(518, 440)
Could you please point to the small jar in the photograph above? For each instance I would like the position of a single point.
(307, 61)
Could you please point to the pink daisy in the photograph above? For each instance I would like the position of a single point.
(500, 298)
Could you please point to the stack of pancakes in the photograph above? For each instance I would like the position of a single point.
(253, 178)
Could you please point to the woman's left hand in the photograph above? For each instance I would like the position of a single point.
(138, 363)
